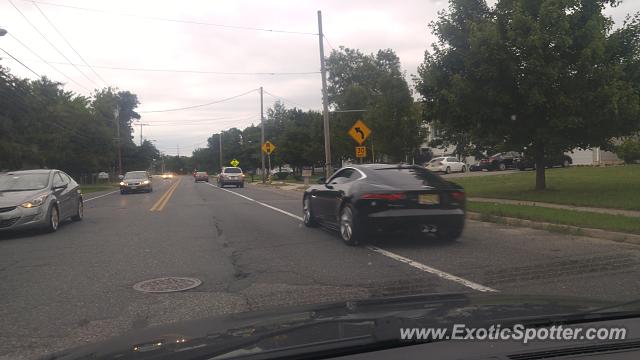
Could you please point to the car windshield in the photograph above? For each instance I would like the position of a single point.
(219, 170)
(23, 182)
(135, 175)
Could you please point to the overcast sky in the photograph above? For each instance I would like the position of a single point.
(110, 38)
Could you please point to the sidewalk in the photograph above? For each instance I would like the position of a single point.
(629, 213)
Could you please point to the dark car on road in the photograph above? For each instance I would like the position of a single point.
(135, 181)
(201, 176)
(361, 198)
(527, 162)
(38, 198)
(500, 161)
(231, 176)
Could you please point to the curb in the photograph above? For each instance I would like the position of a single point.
(594, 233)
(596, 210)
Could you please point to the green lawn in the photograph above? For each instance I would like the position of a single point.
(608, 187)
(559, 216)
(97, 187)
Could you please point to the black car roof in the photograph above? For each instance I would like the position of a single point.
(370, 167)
(35, 171)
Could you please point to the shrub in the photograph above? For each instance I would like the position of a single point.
(282, 175)
(629, 151)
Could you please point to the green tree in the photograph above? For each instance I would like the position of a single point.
(541, 75)
(376, 84)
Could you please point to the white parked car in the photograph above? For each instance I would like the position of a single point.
(103, 176)
(446, 165)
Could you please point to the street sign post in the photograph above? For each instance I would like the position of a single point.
(359, 132)
(268, 147)
(234, 163)
(361, 152)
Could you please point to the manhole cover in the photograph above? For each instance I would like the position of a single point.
(167, 284)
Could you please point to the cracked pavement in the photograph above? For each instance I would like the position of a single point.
(75, 286)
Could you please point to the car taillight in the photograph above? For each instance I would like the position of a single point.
(389, 197)
(457, 196)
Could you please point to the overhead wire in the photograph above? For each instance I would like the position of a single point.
(69, 44)
(156, 18)
(284, 99)
(328, 42)
(199, 105)
(46, 62)
(49, 42)
(189, 71)
(20, 62)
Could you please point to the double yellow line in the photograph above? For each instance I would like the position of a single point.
(159, 205)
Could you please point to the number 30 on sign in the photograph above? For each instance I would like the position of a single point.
(361, 151)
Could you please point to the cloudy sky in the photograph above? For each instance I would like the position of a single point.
(209, 62)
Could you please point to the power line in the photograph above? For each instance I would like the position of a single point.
(200, 105)
(283, 99)
(45, 61)
(20, 62)
(328, 42)
(49, 42)
(237, 27)
(68, 43)
(188, 70)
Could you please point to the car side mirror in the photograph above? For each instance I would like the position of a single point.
(60, 187)
(322, 180)
(120, 177)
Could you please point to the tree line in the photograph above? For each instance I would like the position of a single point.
(371, 87)
(44, 126)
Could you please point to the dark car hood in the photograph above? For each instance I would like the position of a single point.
(298, 326)
(15, 198)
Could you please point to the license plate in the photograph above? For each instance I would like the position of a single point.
(428, 199)
(134, 187)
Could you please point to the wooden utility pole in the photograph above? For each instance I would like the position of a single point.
(116, 115)
(325, 102)
(262, 135)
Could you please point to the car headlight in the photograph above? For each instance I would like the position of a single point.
(145, 182)
(122, 183)
(35, 202)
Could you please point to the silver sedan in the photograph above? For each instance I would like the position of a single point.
(38, 199)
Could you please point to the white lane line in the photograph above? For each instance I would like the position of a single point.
(434, 271)
(389, 254)
(258, 202)
(99, 196)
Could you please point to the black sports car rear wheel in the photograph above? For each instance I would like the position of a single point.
(349, 230)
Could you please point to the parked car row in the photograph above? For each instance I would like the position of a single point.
(497, 162)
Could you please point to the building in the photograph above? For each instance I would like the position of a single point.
(593, 156)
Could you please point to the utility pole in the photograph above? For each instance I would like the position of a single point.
(116, 114)
(220, 143)
(178, 151)
(325, 102)
(141, 123)
(262, 135)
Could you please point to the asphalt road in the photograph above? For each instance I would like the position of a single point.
(251, 251)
